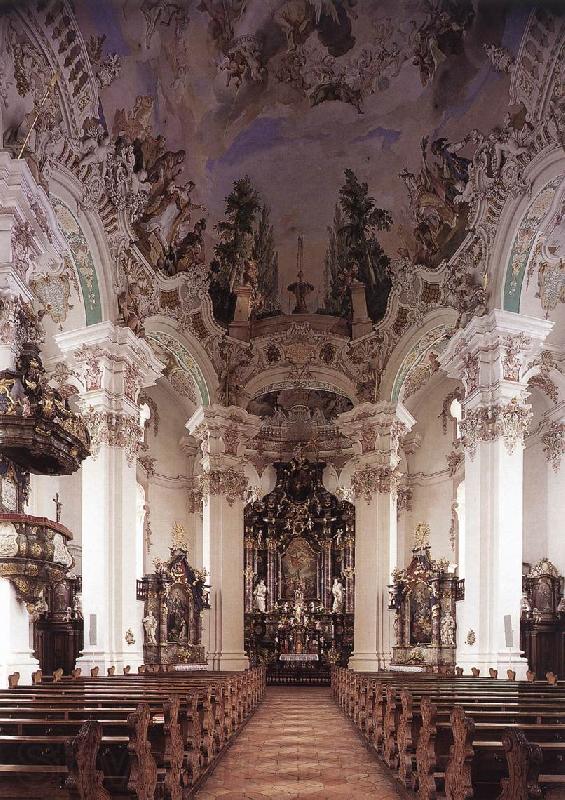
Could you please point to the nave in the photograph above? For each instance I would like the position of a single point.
(299, 745)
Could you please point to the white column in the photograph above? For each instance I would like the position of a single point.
(115, 365)
(16, 646)
(376, 430)
(224, 433)
(554, 447)
(491, 357)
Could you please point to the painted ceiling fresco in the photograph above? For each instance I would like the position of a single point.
(294, 92)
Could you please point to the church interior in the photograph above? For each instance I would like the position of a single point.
(282, 399)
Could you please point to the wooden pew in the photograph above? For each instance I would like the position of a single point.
(188, 720)
(464, 736)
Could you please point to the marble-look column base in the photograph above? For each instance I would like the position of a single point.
(368, 662)
(232, 662)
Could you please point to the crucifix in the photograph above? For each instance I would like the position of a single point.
(58, 507)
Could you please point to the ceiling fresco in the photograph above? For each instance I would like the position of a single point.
(212, 153)
(294, 92)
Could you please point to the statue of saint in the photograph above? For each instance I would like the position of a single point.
(525, 606)
(150, 627)
(448, 630)
(260, 595)
(337, 591)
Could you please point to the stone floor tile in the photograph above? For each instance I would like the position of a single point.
(299, 746)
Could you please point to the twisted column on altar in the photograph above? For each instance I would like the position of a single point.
(376, 431)
(491, 357)
(114, 364)
(224, 433)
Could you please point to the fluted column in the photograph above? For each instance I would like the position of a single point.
(224, 434)
(376, 431)
(490, 356)
(114, 365)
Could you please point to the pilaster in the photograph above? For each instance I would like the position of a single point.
(376, 431)
(114, 365)
(490, 356)
(224, 433)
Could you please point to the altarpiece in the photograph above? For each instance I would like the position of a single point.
(175, 596)
(299, 576)
(424, 597)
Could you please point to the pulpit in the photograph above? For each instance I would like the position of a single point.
(424, 597)
(299, 576)
(174, 596)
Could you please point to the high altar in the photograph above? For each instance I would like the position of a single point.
(174, 597)
(299, 575)
(424, 597)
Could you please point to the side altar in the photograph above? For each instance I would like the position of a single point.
(424, 597)
(174, 596)
(299, 576)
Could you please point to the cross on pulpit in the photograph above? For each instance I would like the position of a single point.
(58, 507)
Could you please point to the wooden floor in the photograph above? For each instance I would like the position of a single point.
(299, 745)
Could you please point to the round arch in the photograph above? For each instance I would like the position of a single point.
(188, 354)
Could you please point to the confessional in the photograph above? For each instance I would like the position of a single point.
(58, 628)
(174, 597)
(542, 623)
(299, 576)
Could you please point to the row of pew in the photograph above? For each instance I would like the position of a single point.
(462, 737)
(154, 735)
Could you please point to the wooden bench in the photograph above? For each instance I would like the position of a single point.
(460, 737)
(155, 732)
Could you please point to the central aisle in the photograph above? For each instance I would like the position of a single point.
(298, 744)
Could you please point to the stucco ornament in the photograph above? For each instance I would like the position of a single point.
(554, 444)
(8, 540)
(369, 480)
(61, 553)
(229, 482)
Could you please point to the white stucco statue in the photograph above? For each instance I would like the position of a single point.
(337, 591)
(150, 627)
(260, 595)
(447, 628)
(525, 606)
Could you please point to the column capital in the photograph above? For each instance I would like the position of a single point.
(376, 431)
(491, 355)
(223, 433)
(114, 365)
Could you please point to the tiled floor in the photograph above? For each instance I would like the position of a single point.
(299, 745)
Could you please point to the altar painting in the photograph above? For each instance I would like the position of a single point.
(420, 615)
(299, 566)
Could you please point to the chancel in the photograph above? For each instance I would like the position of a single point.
(282, 392)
